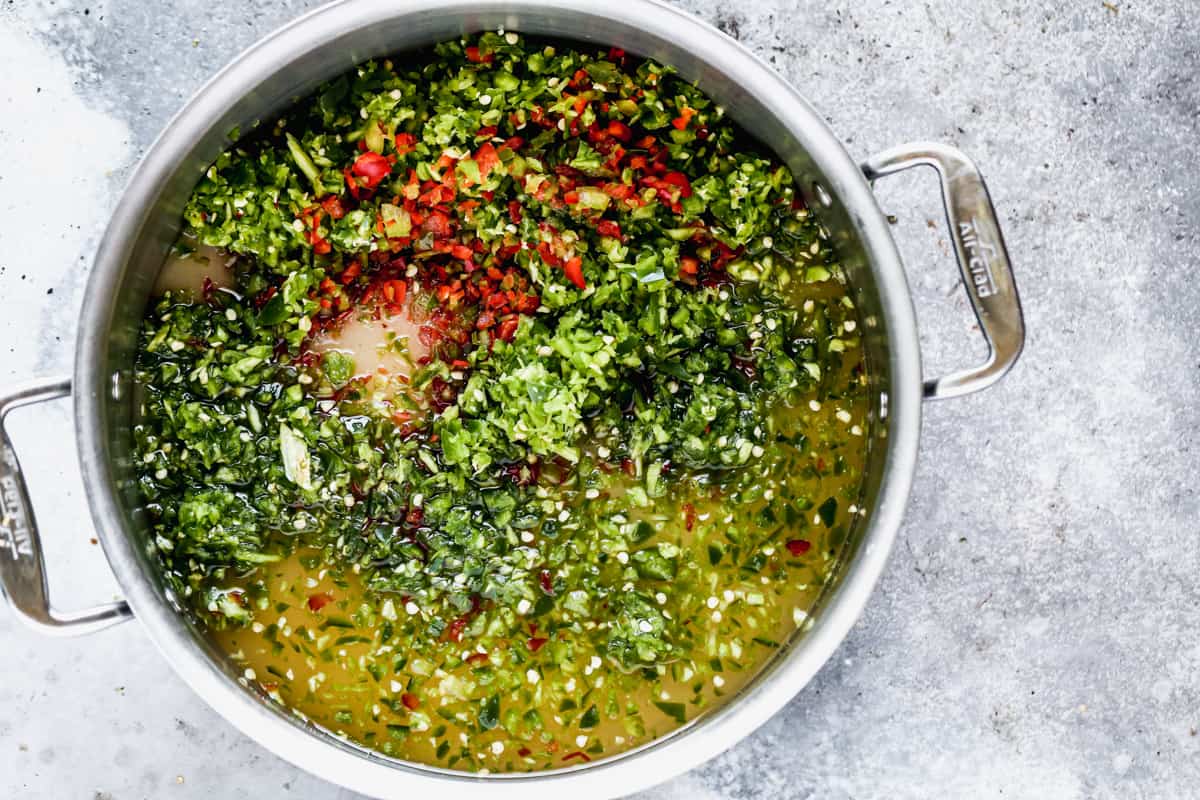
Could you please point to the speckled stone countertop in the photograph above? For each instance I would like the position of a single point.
(1037, 632)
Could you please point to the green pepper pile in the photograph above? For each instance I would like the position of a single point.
(606, 269)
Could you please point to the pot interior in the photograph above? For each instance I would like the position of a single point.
(283, 69)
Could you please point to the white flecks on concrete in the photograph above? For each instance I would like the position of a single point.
(56, 188)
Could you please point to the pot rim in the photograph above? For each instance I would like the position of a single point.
(659, 759)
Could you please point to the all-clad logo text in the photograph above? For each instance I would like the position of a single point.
(13, 520)
(979, 258)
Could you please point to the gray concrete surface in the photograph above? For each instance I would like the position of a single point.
(1037, 634)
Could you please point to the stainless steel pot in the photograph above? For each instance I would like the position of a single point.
(331, 40)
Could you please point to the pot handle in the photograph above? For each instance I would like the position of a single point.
(982, 258)
(22, 571)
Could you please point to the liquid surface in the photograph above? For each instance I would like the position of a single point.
(190, 268)
(382, 345)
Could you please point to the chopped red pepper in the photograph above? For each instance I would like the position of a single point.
(410, 701)
(547, 254)
(372, 168)
(508, 328)
(619, 130)
(685, 116)
(476, 57)
(574, 270)
(438, 224)
(689, 516)
(405, 143)
(333, 207)
(607, 227)
(486, 159)
(535, 643)
(394, 291)
(576, 754)
(619, 191)
(680, 180)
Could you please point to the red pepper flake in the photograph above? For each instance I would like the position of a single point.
(318, 601)
(524, 752)
(546, 581)
(574, 271)
(454, 631)
(576, 754)
(410, 701)
(535, 643)
(689, 515)
(798, 547)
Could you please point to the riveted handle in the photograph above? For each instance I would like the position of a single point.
(22, 570)
(982, 258)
